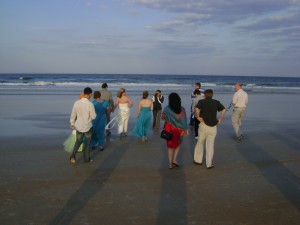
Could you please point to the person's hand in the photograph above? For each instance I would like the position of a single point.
(200, 119)
(187, 132)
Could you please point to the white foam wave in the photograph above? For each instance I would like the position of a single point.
(76, 84)
(138, 85)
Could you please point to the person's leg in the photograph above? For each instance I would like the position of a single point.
(192, 117)
(198, 151)
(196, 123)
(121, 124)
(158, 116)
(108, 120)
(176, 153)
(79, 140)
(235, 119)
(154, 118)
(242, 113)
(86, 145)
(125, 126)
(170, 156)
(192, 120)
(210, 142)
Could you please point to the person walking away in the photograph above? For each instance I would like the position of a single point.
(141, 128)
(107, 96)
(239, 102)
(158, 100)
(175, 119)
(83, 112)
(206, 113)
(99, 123)
(195, 100)
(124, 103)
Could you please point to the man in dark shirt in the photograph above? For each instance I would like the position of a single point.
(157, 99)
(206, 113)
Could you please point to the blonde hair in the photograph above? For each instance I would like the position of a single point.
(120, 92)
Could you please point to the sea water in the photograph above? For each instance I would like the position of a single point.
(74, 83)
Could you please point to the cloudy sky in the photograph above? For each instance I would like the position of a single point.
(219, 37)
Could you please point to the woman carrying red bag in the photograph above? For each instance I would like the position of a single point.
(176, 123)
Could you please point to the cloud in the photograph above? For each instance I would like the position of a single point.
(190, 14)
(179, 24)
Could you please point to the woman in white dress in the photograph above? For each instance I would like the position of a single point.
(124, 103)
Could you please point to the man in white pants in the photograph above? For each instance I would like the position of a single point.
(206, 113)
(239, 102)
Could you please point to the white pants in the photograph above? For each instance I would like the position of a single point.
(236, 119)
(123, 120)
(206, 134)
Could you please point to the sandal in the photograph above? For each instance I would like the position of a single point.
(175, 164)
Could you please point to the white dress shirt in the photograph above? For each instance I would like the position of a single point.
(83, 113)
(240, 99)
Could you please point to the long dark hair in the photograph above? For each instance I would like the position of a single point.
(175, 103)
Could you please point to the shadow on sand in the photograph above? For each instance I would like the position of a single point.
(89, 188)
(173, 200)
(273, 170)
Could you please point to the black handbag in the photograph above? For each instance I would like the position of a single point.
(166, 135)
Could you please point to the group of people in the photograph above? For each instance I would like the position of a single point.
(89, 119)
(205, 120)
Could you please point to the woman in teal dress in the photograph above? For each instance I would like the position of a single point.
(141, 128)
(101, 108)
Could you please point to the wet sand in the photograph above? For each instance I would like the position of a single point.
(256, 181)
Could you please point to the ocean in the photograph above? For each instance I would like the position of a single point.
(73, 83)
(27, 99)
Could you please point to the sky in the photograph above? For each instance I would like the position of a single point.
(204, 37)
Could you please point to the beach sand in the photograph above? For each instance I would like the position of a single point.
(256, 181)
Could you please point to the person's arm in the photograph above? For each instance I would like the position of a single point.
(139, 109)
(73, 117)
(130, 102)
(116, 104)
(161, 99)
(111, 100)
(197, 115)
(151, 105)
(107, 107)
(221, 116)
(194, 103)
(246, 100)
(92, 112)
(234, 99)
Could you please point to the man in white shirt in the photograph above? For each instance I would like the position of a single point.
(239, 101)
(83, 113)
